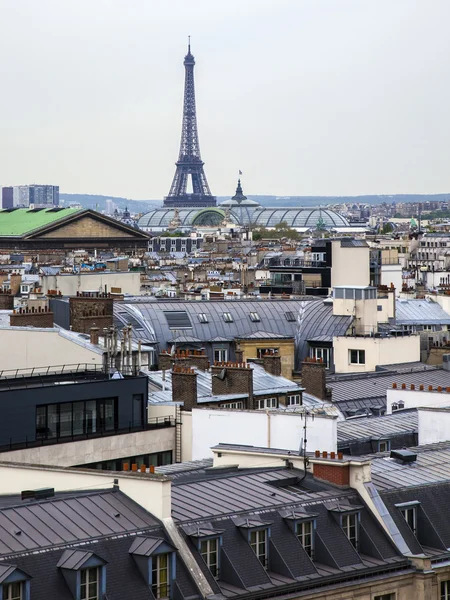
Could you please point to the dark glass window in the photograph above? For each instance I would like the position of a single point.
(69, 419)
(138, 410)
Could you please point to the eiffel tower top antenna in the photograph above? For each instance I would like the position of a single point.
(189, 166)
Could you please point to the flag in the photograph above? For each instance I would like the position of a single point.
(240, 172)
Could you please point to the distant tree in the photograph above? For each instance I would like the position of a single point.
(280, 231)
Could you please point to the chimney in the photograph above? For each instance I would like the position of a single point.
(232, 378)
(314, 379)
(6, 300)
(198, 358)
(14, 283)
(91, 309)
(272, 363)
(184, 386)
(25, 317)
(93, 333)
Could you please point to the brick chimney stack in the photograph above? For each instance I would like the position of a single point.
(314, 378)
(184, 358)
(15, 279)
(272, 363)
(184, 386)
(91, 309)
(6, 300)
(24, 317)
(232, 378)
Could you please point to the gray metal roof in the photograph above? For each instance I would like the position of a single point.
(263, 383)
(432, 466)
(151, 321)
(420, 312)
(377, 427)
(374, 385)
(28, 526)
(316, 319)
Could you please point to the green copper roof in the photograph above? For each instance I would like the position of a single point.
(23, 220)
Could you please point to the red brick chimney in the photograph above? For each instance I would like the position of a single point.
(232, 378)
(272, 363)
(314, 378)
(93, 335)
(342, 471)
(42, 317)
(184, 358)
(184, 386)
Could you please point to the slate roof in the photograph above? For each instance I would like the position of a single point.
(404, 421)
(316, 319)
(431, 467)
(369, 390)
(271, 313)
(420, 312)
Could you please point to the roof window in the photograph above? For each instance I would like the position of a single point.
(203, 318)
(84, 573)
(178, 319)
(290, 316)
(227, 317)
(254, 316)
(156, 561)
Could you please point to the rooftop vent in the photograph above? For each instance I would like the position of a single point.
(405, 456)
(38, 494)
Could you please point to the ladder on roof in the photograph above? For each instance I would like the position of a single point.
(178, 425)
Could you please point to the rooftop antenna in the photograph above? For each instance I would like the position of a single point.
(189, 44)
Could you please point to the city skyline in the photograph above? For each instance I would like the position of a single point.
(306, 98)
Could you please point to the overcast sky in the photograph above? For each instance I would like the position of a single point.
(306, 97)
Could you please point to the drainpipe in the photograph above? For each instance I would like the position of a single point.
(268, 428)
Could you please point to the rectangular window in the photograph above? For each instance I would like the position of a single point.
(138, 411)
(69, 419)
(261, 351)
(233, 405)
(203, 318)
(13, 591)
(160, 576)
(350, 527)
(445, 590)
(220, 355)
(290, 316)
(258, 542)
(227, 317)
(293, 400)
(305, 533)
(385, 597)
(89, 584)
(209, 549)
(384, 446)
(267, 403)
(322, 354)
(254, 316)
(357, 357)
(410, 515)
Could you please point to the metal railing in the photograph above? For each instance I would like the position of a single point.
(153, 423)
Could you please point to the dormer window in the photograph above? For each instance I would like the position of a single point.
(305, 534)
(14, 583)
(409, 513)
(84, 573)
(350, 526)
(89, 583)
(155, 559)
(209, 550)
(14, 591)
(258, 540)
(160, 576)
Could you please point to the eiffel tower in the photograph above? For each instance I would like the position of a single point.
(189, 164)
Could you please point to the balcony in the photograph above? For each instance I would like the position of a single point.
(43, 440)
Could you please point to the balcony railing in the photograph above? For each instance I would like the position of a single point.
(43, 440)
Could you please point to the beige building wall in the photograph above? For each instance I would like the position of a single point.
(151, 491)
(378, 351)
(24, 348)
(364, 312)
(285, 349)
(350, 266)
(96, 449)
(69, 284)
